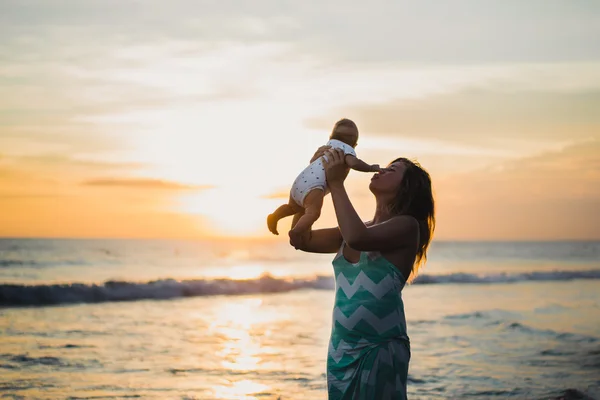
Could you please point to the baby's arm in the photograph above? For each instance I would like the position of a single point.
(359, 165)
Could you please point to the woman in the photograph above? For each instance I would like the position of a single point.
(369, 347)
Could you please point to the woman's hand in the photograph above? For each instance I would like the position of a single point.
(335, 166)
(319, 153)
(296, 239)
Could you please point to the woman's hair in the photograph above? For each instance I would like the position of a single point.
(343, 122)
(415, 198)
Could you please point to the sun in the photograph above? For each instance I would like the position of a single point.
(238, 211)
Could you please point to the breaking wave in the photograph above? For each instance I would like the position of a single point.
(41, 295)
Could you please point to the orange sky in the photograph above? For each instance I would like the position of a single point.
(114, 128)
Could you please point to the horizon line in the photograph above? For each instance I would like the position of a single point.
(267, 238)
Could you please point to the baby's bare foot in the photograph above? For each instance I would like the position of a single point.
(272, 224)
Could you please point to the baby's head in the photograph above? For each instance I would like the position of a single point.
(345, 130)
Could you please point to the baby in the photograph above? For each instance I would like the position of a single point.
(310, 187)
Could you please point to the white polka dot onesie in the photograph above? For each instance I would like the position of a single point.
(313, 177)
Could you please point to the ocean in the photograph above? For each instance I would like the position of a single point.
(166, 319)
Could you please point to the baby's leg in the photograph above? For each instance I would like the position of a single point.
(285, 210)
(297, 217)
(313, 202)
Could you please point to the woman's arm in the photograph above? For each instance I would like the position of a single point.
(319, 241)
(396, 232)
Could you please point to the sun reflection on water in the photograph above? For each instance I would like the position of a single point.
(242, 325)
(240, 390)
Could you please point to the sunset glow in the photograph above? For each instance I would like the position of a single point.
(201, 135)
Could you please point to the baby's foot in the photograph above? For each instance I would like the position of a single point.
(272, 224)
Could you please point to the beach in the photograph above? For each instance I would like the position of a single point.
(147, 149)
(531, 331)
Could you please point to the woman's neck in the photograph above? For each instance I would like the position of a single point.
(382, 211)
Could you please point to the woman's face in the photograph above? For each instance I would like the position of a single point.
(389, 179)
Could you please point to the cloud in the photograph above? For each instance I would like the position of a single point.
(51, 159)
(15, 175)
(29, 196)
(553, 195)
(54, 172)
(28, 136)
(83, 84)
(281, 194)
(72, 72)
(569, 175)
(385, 30)
(142, 183)
(465, 31)
(482, 117)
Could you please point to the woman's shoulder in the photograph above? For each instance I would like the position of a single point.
(403, 219)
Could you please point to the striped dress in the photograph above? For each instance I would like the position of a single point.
(369, 348)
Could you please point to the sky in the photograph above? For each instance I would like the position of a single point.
(191, 119)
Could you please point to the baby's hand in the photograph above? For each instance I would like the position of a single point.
(375, 168)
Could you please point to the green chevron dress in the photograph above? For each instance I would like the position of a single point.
(369, 348)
